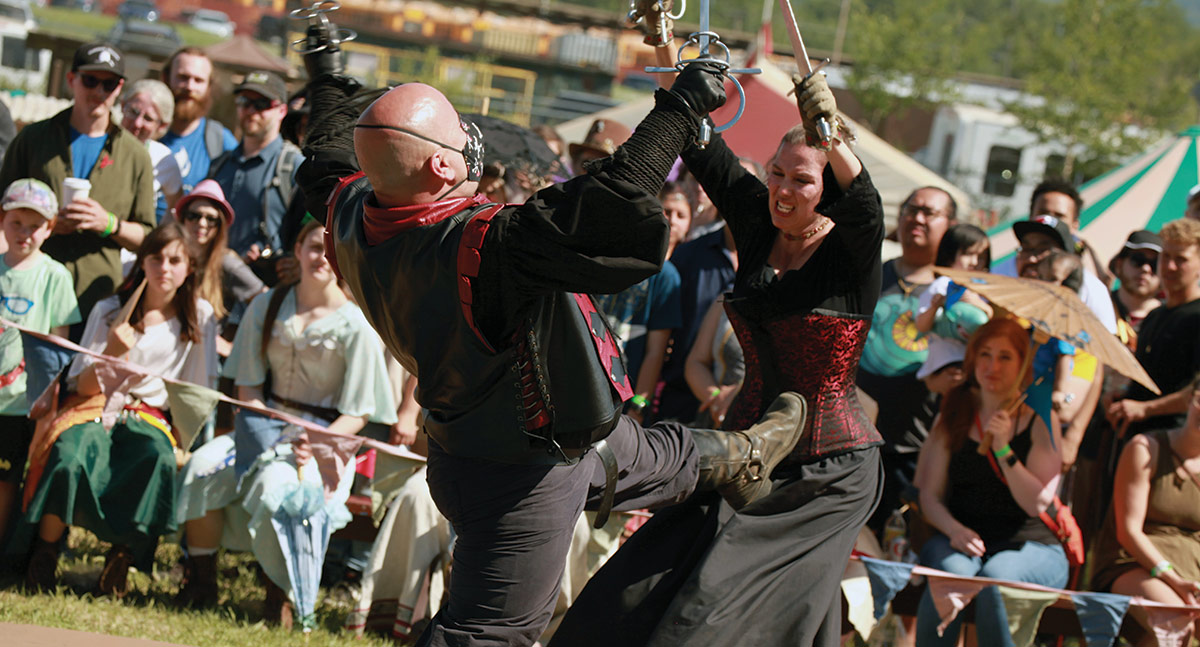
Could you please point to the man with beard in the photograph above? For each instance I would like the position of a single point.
(85, 142)
(257, 176)
(193, 138)
(895, 350)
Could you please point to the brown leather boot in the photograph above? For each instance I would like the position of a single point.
(738, 464)
(199, 589)
(42, 572)
(114, 578)
(277, 610)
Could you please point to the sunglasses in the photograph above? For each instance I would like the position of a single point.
(90, 82)
(1138, 259)
(258, 105)
(193, 216)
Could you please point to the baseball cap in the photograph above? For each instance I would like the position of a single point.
(31, 194)
(604, 136)
(265, 83)
(1195, 191)
(209, 190)
(99, 57)
(1049, 225)
(1143, 239)
(942, 354)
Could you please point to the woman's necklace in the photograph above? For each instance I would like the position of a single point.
(808, 234)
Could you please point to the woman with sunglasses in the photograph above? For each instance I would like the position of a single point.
(224, 278)
(118, 480)
(146, 111)
(305, 349)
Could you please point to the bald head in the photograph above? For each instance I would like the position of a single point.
(404, 168)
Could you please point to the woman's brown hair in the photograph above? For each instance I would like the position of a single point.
(185, 297)
(961, 403)
(210, 286)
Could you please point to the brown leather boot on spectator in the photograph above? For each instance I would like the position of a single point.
(199, 589)
(738, 464)
(114, 578)
(277, 610)
(42, 572)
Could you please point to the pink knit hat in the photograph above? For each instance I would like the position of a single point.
(210, 190)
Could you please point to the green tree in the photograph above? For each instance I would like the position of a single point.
(906, 53)
(1107, 75)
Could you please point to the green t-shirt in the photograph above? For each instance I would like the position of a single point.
(40, 297)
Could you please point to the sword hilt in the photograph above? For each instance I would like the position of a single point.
(823, 127)
(703, 41)
(322, 33)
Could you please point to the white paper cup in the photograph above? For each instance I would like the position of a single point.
(74, 188)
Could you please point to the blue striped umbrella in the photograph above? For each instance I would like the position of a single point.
(1148, 192)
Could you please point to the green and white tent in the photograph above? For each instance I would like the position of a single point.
(1146, 193)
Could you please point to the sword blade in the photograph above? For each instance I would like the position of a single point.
(704, 39)
(798, 50)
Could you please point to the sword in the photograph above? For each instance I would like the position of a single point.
(705, 42)
(322, 33)
(824, 130)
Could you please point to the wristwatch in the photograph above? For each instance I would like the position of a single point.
(1011, 459)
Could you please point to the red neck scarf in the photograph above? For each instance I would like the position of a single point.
(380, 224)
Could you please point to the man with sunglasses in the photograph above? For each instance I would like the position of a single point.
(85, 142)
(258, 175)
(1136, 265)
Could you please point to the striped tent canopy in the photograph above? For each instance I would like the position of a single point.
(1146, 193)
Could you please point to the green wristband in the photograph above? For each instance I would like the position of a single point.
(110, 227)
(1161, 567)
(1003, 451)
(639, 402)
(716, 390)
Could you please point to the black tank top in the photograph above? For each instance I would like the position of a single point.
(981, 501)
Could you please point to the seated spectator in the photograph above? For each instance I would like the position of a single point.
(120, 483)
(38, 294)
(985, 508)
(146, 111)
(715, 367)
(305, 349)
(1150, 545)
(224, 278)
(963, 247)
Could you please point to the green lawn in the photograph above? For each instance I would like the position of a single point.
(147, 612)
(91, 24)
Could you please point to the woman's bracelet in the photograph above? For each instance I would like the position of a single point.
(716, 390)
(1161, 568)
(1003, 451)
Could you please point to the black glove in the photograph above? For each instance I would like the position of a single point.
(329, 59)
(701, 86)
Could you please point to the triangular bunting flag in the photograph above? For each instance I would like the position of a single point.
(253, 434)
(333, 453)
(951, 595)
(1172, 627)
(115, 381)
(1024, 608)
(859, 602)
(191, 406)
(1100, 616)
(44, 360)
(887, 578)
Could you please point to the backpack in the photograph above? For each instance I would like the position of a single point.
(214, 138)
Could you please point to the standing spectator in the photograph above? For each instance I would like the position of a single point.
(146, 111)
(602, 139)
(120, 483)
(259, 174)
(1169, 341)
(716, 367)
(84, 142)
(1137, 267)
(1193, 204)
(38, 294)
(895, 351)
(195, 139)
(1060, 202)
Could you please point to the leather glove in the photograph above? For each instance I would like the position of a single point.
(815, 100)
(655, 21)
(329, 60)
(701, 86)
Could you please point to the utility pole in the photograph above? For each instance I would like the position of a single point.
(839, 40)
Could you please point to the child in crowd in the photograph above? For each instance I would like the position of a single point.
(36, 291)
(1070, 386)
(963, 247)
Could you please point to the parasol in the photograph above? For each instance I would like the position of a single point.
(517, 148)
(1058, 312)
(303, 526)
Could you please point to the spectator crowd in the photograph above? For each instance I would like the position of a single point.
(165, 238)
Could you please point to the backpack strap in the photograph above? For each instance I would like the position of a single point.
(281, 181)
(214, 139)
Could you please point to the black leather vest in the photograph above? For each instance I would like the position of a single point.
(544, 397)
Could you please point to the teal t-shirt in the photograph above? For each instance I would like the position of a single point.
(41, 297)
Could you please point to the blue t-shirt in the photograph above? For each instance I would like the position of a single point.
(652, 304)
(85, 152)
(192, 154)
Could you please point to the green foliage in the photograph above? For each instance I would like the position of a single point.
(1112, 73)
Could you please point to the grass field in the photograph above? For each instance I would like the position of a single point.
(91, 24)
(147, 612)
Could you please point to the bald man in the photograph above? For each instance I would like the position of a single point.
(520, 377)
